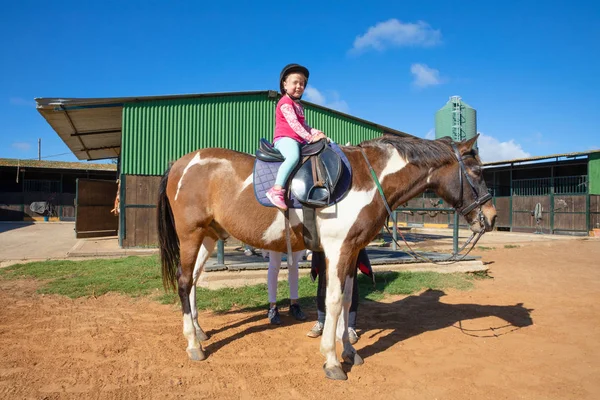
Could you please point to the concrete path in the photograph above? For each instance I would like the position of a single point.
(20, 241)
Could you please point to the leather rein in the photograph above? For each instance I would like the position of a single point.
(462, 210)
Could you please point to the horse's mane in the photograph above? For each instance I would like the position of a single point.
(417, 151)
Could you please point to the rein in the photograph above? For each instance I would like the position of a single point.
(478, 202)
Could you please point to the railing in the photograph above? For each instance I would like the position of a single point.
(39, 185)
(394, 219)
(545, 186)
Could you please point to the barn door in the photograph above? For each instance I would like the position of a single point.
(93, 204)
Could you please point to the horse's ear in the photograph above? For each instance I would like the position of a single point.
(468, 145)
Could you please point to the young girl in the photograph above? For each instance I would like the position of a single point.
(291, 129)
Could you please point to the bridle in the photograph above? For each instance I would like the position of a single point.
(479, 201)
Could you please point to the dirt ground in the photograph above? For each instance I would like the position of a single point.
(531, 332)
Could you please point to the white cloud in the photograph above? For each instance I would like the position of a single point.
(394, 33)
(332, 100)
(491, 149)
(23, 146)
(425, 76)
(430, 134)
(314, 96)
(19, 101)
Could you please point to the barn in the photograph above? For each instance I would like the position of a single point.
(553, 194)
(59, 191)
(146, 133)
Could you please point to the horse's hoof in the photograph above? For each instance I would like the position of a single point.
(201, 336)
(196, 354)
(335, 373)
(352, 358)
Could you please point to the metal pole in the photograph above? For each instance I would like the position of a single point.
(455, 233)
(394, 232)
(39, 149)
(220, 252)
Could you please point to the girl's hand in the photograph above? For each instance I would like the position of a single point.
(317, 137)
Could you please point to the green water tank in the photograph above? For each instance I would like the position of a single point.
(456, 119)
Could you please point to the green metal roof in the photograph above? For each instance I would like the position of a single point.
(92, 127)
(540, 158)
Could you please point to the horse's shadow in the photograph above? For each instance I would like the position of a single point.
(422, 313)
(406, 318)
(248, 319)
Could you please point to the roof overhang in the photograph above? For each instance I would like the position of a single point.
(91, 128)
(556, 157)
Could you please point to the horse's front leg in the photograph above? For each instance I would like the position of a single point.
(335, 302)
(193, 257)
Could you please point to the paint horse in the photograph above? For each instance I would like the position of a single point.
(208, 195)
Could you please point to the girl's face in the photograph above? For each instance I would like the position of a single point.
(294, 84)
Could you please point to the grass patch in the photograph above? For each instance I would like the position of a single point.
(140, 276)
(511, 246)
(133, 276)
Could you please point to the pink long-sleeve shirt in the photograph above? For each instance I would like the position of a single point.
(290, 122)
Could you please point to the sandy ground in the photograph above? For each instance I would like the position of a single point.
(531, 332)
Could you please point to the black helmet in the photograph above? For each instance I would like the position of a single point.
(290, 69)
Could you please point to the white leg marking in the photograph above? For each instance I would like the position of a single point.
(333, 306)
(189, 332)
(208, 245)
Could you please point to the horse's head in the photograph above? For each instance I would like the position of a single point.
(461, 184)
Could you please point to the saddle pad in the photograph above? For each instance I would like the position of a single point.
(266, 172)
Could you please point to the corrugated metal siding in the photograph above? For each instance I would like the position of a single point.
(157, 132)
(339, 128)
(594, 173)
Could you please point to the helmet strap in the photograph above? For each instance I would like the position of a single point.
(293, 97)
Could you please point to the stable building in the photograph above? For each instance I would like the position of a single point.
(553, 194)
(147, 133)
(37, 190)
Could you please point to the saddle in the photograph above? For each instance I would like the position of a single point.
(314, 181)
(321, 179)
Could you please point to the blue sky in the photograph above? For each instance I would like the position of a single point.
(530, 69)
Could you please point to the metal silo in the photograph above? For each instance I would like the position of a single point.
(456, 119)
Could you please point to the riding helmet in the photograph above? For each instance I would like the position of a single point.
(290, 69)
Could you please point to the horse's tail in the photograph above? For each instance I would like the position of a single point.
(168, 242)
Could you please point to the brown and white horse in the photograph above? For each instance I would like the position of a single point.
(208, 195)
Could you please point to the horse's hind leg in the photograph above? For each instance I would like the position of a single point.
(194, 252)
(206, 249)
(349, 354)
